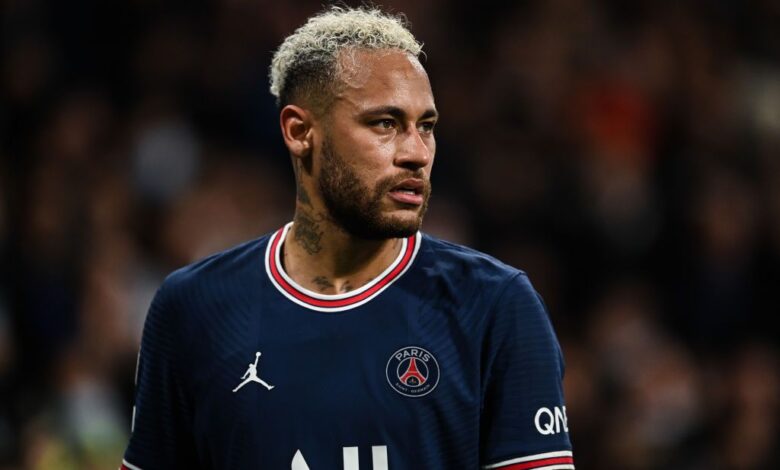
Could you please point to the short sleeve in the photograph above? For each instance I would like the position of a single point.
(161, 436)
(523, 421)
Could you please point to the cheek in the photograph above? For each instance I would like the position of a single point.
(362, 146)
(371, 155)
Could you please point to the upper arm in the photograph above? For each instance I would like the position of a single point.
(523, 411)
(161, 429)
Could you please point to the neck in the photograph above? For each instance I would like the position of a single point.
(321, 256)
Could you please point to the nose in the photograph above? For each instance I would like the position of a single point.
(415, 150)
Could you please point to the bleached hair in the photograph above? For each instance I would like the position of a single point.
(306, 65)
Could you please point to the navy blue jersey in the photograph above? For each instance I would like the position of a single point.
(447, 360)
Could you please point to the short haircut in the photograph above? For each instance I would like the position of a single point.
(307, 64)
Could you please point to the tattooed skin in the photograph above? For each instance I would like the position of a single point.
(323, 283)
(308, 232)
(303, 196)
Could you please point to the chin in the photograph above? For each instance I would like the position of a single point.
(403, 226)
(383, 228)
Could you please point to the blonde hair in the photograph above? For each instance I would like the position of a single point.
(306, 65)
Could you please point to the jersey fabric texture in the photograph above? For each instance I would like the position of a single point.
(447, 360)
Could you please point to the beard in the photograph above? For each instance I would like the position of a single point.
(357, 208)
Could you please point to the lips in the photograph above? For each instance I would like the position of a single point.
(409, 191)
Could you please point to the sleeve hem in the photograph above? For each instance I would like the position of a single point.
(560, 460)
(128, 466)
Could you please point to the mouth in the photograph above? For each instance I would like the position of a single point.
(409, 191)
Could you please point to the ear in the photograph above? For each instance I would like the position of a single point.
(296, 124)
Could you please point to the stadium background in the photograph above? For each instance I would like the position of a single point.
(625, 154)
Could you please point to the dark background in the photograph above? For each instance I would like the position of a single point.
(625, 154)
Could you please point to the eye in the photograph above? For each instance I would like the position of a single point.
(426, 127)
(384, 123)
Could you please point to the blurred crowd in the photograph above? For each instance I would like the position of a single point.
(625, 154)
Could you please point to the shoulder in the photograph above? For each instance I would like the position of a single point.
(194, 297)
(451, 259)
(235, 261)
(470, 278)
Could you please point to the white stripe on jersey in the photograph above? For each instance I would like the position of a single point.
(528, 458)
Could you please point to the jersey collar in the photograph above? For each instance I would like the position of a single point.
(337, 302)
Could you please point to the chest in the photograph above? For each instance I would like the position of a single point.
(398, 380)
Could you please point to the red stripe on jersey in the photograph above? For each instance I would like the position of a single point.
(539, 463)
(303, 297)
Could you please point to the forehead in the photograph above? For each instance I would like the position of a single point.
(383, 78)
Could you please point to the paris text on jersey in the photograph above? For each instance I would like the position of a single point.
(412, 371)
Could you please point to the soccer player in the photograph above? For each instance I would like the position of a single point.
(386, 348)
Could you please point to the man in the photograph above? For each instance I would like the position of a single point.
(386, 348)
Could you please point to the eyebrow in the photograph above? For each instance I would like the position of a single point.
(397, 112)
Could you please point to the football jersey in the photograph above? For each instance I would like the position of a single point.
(446, 360)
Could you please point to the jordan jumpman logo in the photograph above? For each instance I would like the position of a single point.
(251, 375)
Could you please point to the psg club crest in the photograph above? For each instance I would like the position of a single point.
(412, 371)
